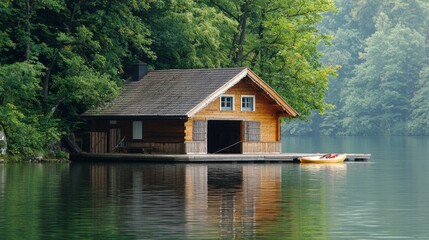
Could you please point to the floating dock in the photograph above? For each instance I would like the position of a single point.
(202, 158)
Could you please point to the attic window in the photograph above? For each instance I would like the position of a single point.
(247, 103)
(227, 103)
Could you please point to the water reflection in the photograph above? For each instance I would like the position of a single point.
(205, 201)
(2, 179)
(385, 198)
(222, 201)
(158, 201)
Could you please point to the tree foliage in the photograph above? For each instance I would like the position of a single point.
(279, 40)
(382, 47)
(419, 123)
(59, 58)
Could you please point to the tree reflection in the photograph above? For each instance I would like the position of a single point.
(132, 201)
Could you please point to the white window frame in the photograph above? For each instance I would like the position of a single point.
(137, 130)
(248, 109)
(233, 102)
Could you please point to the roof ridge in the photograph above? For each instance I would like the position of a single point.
(198, 69)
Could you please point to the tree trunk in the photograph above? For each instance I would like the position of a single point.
(259, 51)
(46, 80)
(240, 37)
(28, 30)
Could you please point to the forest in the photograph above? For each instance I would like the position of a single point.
(348, 67)
(382, 86)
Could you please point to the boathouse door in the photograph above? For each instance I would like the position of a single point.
(114, 138)
(224, 136)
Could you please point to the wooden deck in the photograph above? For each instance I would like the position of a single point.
(200, 158)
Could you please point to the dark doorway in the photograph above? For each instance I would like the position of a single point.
(224, 137)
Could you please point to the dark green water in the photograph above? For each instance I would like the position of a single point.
(387, 197)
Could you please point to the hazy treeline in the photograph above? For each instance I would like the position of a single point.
(59, 58)
(383, 85)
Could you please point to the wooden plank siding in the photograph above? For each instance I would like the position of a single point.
(196, 147)
(98, 142)
(164, 136)
(265, 113)
(114, 138)
(163, 131)
(261, 147)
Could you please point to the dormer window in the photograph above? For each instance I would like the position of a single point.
(227, 103)
(247, 103)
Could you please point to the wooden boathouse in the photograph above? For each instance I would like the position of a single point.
(191, 111)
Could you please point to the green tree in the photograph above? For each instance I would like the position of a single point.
(27, 131)
(419, 123)
(377, 98)
(352, 28)
(187, 34)
(279, 40)
(71, 56)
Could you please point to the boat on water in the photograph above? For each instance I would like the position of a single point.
(327, 158)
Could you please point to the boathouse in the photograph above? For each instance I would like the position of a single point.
(191, 111)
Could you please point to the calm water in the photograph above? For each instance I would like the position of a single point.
(387, 197)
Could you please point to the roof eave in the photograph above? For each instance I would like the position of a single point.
(147, 117)
(291, 112)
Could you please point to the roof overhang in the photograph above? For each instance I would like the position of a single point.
(140, 117)
(291, 112)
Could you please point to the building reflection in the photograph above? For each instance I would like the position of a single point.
(220, 200)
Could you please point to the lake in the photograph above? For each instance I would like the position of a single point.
(387, 197)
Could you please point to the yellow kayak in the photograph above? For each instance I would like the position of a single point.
(327, 158)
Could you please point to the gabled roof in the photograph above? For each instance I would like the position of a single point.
(180, 93)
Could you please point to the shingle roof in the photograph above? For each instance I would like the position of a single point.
(167, 92)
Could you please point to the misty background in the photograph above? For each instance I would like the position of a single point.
(382, 86)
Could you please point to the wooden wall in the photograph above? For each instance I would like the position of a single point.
(162, 131)
(261, 147)
(265, 113)
(99, 141)
(196, 147)
(167, 135)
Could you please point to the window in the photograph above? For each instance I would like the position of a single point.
(248, 103)
(137, 130)
(113, 122)
(227, 103)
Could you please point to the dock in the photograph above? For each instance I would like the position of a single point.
(202, 158)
